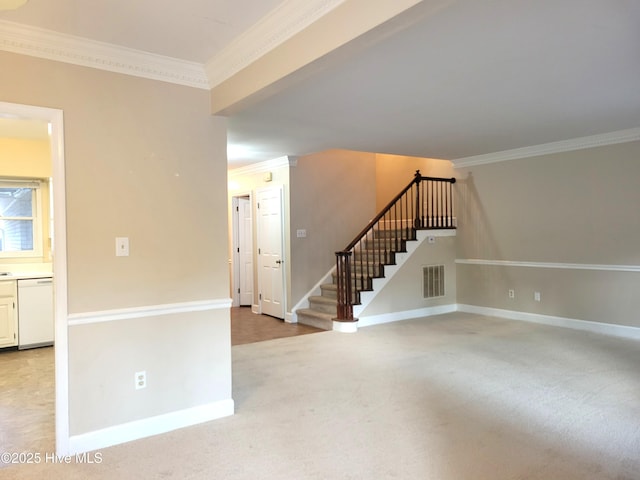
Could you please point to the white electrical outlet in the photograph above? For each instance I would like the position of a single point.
(301, 233)
(536, 296)
(141, 380)
(512, 293)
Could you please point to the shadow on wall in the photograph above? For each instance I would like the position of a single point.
(475, 236)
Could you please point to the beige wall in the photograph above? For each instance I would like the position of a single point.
(160, 346)
(394, 172)
(568, 208)
(333, 197)
(404, 291)
(144, 159)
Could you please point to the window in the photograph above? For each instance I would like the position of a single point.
(20, 229)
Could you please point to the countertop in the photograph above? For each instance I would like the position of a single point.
(25, 275)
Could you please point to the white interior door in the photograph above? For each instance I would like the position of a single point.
(270, 248)
(245, 251)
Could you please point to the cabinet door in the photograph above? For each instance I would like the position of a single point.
(7, 323)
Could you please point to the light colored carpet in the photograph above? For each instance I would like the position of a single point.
(452, 397)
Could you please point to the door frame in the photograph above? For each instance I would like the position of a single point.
(56, 120)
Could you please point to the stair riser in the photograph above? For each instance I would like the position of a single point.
(323, 307)
(404, 234)
(355, 278)
(315, 322)
(355, 299)
(328, 292)
(333, 294)
(372, 256)
(385, 244)
(368, 270)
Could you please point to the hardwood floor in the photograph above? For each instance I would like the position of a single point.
(27, 379)
(248, 327)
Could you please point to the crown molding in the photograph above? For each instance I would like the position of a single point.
(42, 43)
(279, 25)
(282, 23)
(622, 136)
(262, 167)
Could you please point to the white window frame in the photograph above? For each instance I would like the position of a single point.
(36, 185)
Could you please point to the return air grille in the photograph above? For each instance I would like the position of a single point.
(433, 281)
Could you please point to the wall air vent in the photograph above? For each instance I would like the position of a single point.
(433, 281)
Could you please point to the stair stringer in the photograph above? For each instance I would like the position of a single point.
(366, 297)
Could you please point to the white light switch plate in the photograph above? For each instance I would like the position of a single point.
(301, 233)
(122, 246)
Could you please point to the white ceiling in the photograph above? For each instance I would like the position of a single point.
(473, 78)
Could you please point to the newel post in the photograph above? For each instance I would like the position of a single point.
(344, 293)
(417, 223)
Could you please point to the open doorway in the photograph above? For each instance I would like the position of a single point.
(29, 129)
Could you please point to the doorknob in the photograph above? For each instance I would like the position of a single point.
(278, 262)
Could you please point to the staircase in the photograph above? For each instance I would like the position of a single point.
(368, 263)
(426, 203)
(322, 308)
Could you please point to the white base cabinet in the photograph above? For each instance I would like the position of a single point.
(8, 317)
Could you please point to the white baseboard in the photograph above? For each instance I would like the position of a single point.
(586, 325)
(148, 427)
(405, 315)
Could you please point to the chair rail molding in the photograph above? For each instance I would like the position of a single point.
(566, 266)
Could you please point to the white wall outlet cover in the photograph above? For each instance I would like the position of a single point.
(122, 246)
(301, 233)
(141, 380)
